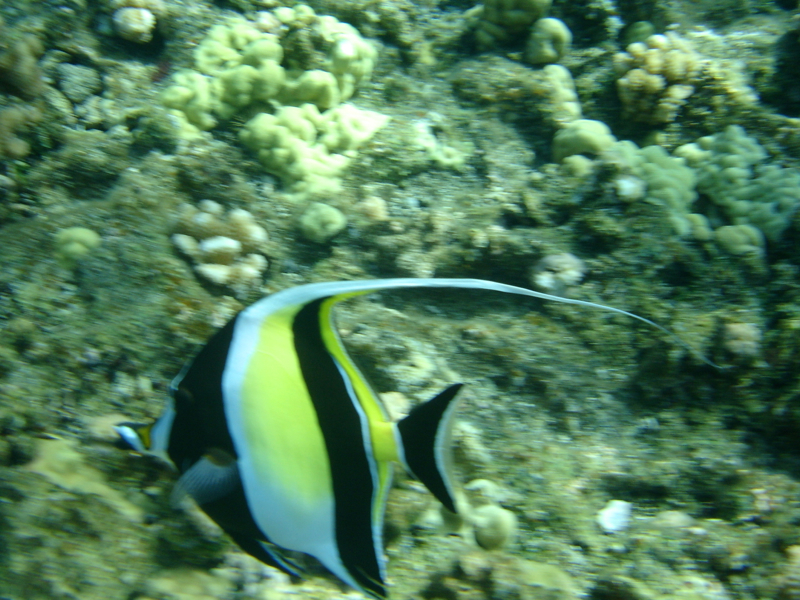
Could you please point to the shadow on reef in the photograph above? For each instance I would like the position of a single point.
(785, 93)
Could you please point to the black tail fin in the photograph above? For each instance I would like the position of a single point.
(425, 435)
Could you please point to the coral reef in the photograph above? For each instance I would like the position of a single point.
(15, 120)
(477, 576)
(307, 149)
(136, 20)
(433, 155)
(227, 247)
(321, 222)
(74, 243)
(555, 272)
(740, 240)
(502, 20)
(548, 94)
(20, 73)
(656, 77)
(733, 172)
(582, 136)
(434, 137)
(240, 66)
(494, 526)
(615, 516)
(742, 339)
(62, 464)
(651, 175)
(549, 41)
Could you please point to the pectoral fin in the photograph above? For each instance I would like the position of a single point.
(210, 478)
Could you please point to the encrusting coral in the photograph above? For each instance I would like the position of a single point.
(136, 20)
(321, 222)
(239, 65)
(292, 84)
(494, 526)
(745, 188)
(307, 149)
(549, 41)
(554, 272)
(652, 175)
(73, 243)
(502, 20)
(227, 248)
(656, 77)
(742, 339)
(20, 74)
(13, 121)
(582, 136)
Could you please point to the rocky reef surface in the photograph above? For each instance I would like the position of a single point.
(163, 163)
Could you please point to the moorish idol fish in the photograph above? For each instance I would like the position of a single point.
(283, 442)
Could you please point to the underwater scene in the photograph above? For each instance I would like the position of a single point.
(415, 299)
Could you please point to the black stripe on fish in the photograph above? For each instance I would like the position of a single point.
(200, 426)
(353, 475)
(200, 421)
